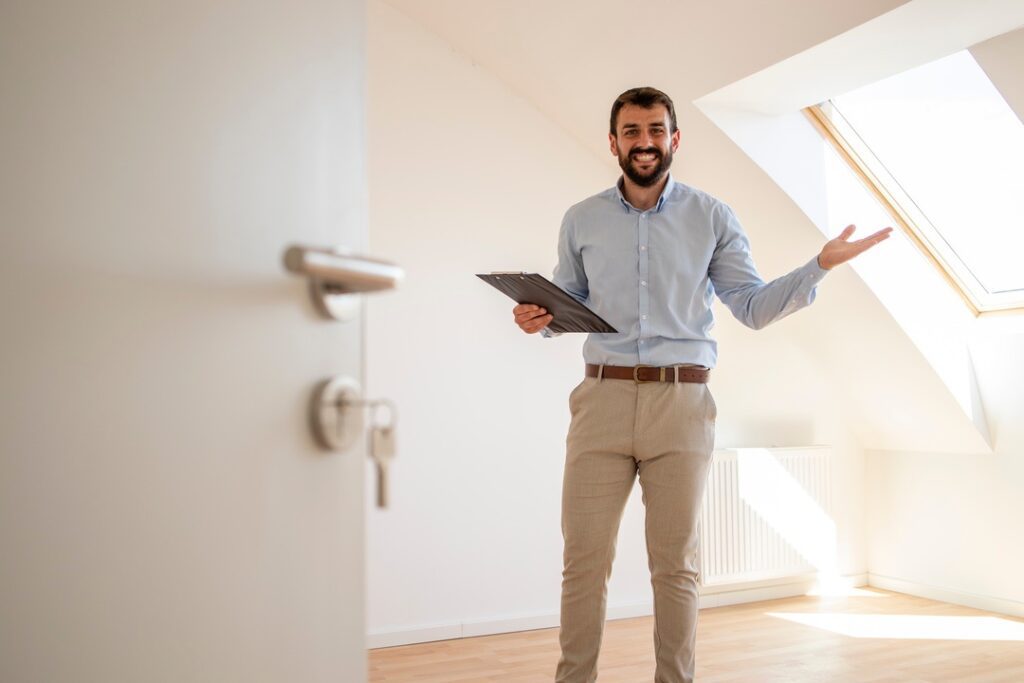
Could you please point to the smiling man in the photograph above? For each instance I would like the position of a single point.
(648, 256)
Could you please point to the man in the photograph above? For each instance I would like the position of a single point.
(648, 255)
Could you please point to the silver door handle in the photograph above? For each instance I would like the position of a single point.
(336, 278)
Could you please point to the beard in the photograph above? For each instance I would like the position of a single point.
(651, 177)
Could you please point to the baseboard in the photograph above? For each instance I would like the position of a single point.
(423, 634)
(711, 596)
(990, 604)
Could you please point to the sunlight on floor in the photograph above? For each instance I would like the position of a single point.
(910, 626)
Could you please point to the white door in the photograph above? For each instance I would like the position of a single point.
(164, 510)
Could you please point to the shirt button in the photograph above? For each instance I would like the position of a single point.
(641, 341)
(643, 282)
(643, 247)
(643, 317)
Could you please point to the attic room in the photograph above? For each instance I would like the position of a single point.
(170, 510)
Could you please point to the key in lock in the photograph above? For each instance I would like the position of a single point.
(382, 447)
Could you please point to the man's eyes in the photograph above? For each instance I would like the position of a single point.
(633, 131)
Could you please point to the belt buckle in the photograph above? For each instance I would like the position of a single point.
(636, 371)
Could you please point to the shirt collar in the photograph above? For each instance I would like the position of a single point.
(661, 200)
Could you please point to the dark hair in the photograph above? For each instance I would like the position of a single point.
(646, 98)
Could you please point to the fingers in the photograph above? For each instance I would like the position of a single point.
(874, 239)
(523, 308)
(531, 318)
(860, 246)
(537, 324)
(525, 312)
(838, 250)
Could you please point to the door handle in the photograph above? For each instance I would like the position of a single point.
(336, 279)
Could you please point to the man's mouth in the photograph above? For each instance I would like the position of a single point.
(644, 157)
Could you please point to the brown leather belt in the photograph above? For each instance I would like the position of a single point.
(650, 373)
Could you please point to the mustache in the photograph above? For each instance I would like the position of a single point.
(647, 150)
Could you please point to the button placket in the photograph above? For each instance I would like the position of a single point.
(643, 234)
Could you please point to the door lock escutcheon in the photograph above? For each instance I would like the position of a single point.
(337, 413)
(337, 420)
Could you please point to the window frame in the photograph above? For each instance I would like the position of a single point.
(853, 150)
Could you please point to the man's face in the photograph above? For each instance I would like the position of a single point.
(643, 143)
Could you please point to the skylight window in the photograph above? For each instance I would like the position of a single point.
(944, 151)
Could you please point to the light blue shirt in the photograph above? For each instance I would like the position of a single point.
(653, 275)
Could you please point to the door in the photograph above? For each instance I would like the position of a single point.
(166, 514)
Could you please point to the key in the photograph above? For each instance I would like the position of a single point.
(382, 450)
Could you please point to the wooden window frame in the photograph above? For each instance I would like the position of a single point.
(824, 125)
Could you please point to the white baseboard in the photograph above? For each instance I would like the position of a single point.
(956, 597)
(711, 596)
(423, 634)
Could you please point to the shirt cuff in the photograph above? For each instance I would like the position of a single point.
(808, 277)
(548, 334)
(812, 272)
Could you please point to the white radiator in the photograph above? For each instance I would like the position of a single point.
(766, 515)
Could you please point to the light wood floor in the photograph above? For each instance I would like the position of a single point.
(875, 636)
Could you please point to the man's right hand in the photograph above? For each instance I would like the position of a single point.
(531, 318)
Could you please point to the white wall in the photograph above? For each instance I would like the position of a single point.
(461, 182)
(949, 526)
(467, 176)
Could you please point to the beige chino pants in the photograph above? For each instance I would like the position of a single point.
(665, 433)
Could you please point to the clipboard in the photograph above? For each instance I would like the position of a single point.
(568, 314)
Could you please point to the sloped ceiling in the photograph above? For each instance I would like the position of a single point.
(1001, 58)
(571, 58)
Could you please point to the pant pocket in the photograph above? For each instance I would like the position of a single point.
(712, 407)
(574, 394)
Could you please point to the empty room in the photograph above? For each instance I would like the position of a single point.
(458, 341)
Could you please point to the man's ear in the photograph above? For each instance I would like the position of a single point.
(613, 145)
(675, 141)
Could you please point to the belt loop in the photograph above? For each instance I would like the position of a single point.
(676, 368)
(600, 372)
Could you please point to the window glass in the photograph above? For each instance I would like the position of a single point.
(950, 152)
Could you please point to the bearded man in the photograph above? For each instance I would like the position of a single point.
(648, 256)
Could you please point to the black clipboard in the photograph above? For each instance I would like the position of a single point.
(568, 314)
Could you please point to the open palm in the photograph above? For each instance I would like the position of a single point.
(840, 250)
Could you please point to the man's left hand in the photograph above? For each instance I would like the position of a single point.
(839, 250)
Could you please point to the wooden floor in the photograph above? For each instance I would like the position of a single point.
(872, 636)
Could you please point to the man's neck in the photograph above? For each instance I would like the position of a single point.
(643, 198)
